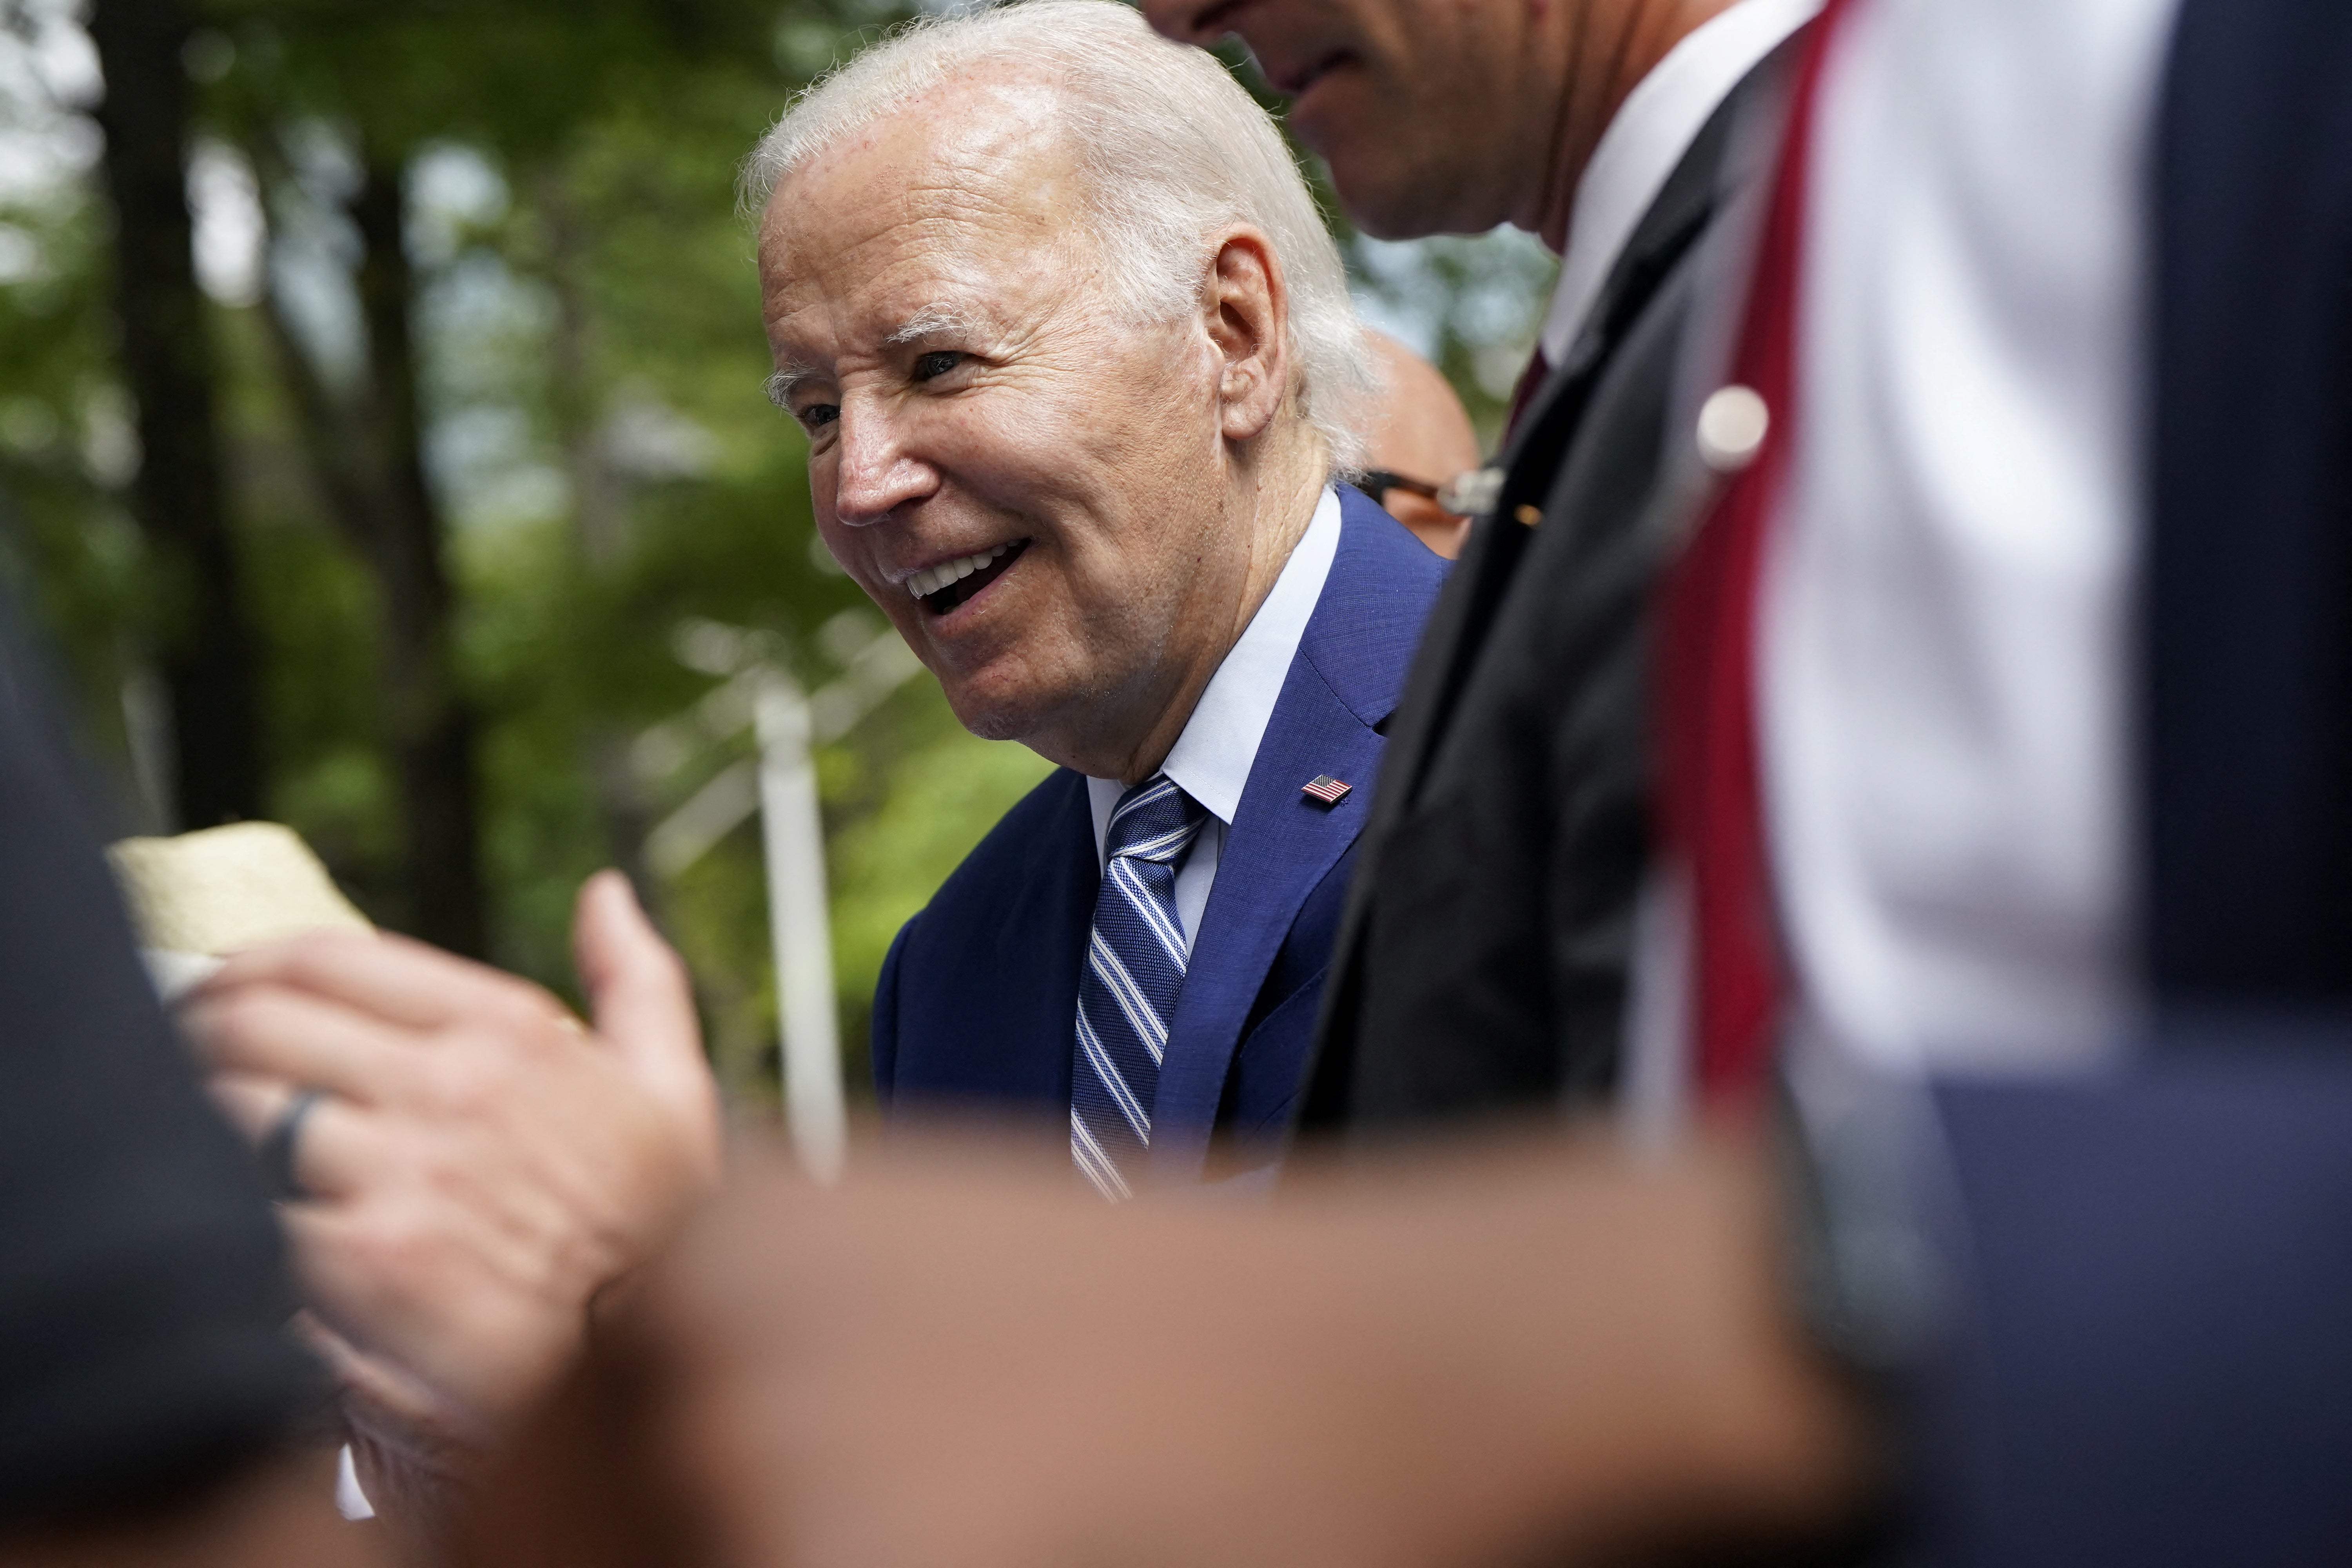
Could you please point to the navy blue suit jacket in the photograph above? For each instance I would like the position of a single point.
(977, 1001)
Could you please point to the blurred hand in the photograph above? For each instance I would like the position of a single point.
(955, 1361)
(482, 1165)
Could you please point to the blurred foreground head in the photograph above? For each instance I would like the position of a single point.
(1073, 353)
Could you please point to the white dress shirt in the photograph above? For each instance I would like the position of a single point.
(1212, 759)
(1643, 142)
(1944, 642)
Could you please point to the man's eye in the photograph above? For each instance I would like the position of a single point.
(937, 363)
(817, 415)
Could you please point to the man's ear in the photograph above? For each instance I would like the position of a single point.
(1246, 309)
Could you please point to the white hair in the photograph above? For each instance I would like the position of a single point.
(1169, 148)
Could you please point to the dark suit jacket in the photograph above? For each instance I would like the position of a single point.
(2247, 602)
(978, 998)
(1482, 962)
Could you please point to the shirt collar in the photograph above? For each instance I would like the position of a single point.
(1212, 759)
(1645, 139)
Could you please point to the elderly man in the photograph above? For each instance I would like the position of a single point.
(1076, 363)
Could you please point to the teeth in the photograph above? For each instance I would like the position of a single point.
(932, 579)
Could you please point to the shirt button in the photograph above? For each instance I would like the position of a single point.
(1731, 426)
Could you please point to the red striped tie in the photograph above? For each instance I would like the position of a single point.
(1711, 819)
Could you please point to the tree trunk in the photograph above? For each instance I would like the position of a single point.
(599, 517)
(365, 448)
(206, 648)
(431, 721)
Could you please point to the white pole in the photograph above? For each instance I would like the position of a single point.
(793, 834)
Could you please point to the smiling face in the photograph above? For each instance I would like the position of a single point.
(1043, 495)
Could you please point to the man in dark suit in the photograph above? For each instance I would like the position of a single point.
(1489, 957)
(1107, 524)
(1482, 962)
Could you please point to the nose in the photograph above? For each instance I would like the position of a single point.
(875, 473)
(1200, 22)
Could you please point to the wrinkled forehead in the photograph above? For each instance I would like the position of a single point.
(955, 194)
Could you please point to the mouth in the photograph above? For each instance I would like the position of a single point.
(941, 588)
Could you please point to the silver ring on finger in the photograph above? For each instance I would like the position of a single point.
(278, 1148)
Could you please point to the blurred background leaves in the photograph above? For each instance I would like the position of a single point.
(380, 413)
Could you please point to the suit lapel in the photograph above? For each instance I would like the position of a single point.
(1674, 221)
(1467, 607)
(1471, 601)
(1280, 846)
(1341, 684)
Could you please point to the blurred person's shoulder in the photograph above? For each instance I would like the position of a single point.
(144, 1295)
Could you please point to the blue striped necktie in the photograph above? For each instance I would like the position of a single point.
(1127, 992)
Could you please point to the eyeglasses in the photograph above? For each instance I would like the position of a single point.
(1467, 494)
(1378, 482)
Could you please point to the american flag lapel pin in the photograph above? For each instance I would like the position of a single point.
(1324, 789)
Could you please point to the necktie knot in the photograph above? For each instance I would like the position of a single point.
(1154, 821)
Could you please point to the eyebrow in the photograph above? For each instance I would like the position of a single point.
(778, 384)
(932, 318)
